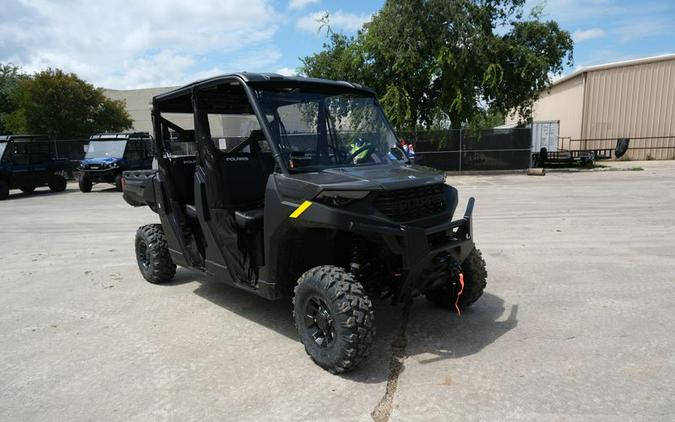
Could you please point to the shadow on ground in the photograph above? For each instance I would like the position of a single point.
(438, 332)
(449, 336)
(40, 191)
(106, 188)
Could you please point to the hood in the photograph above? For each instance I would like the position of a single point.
(374, 177)
(101, 160)
(378, 177)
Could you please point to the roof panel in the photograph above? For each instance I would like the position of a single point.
(259, 79)
(595, 68)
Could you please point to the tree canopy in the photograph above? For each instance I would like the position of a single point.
(9, 81)
(445, 63)
(61, 105)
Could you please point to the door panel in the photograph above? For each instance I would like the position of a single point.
(228, 185)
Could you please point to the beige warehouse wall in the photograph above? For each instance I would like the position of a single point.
(633, 101)
(562, 102)
(138, 105)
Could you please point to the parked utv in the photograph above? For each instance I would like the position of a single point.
(29, 161)
(299, 187)
(109, 154)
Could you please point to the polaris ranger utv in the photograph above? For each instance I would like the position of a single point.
(29, 161)
(109, 154)
(298, 187)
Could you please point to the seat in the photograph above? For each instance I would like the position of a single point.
(191, 211)
(250, 220)
(246, 220)
(183, 174)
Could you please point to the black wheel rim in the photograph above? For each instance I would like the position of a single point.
(319, 322)
(142, 254)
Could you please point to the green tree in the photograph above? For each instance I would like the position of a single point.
(435, 61)
(10, 75)
(61, 105)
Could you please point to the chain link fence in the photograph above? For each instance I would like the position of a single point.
(450, 150)
(465, 149)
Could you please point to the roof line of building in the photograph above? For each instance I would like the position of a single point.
(141, 89)
(595, 68)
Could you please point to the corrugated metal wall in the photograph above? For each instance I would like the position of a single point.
(635, 101)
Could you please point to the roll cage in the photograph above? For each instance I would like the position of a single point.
(216, 96)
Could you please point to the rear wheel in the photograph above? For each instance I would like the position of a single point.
(334, 318)
(118, 183)
(152, 254)
(475, 280)
(4, 189)
(28, 189)
(85, 183)
(57, 183)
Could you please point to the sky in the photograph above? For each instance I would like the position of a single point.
(125, 44)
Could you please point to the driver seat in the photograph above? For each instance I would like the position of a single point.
(250, 220)
(246, 220)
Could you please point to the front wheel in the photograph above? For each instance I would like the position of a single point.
(152, 254)
(334, 318)
(85, 183)
(57, 183)
(4, 190)
(118, 183)
(27, 189)
(475, 280)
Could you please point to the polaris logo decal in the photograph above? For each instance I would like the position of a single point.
(236, 158)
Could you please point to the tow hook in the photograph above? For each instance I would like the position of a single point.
(461, 290)
(447, 259)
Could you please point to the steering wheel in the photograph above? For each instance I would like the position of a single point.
(367, 147)
(339, 153)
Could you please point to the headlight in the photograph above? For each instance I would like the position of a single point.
(340, 198)
(113, 165)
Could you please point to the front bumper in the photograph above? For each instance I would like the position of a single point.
(423, 248)
(420, 248)
(101, 175)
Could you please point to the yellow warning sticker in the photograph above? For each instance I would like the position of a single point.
(302, 208)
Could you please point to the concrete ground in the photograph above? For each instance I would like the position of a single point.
(576, 323)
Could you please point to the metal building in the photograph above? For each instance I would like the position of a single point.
(631, 99)
(138, 104)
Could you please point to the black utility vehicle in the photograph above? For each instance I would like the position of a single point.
(29, 161)
(298, 187)
(109, 154)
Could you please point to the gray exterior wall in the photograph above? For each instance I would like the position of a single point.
(138, 104)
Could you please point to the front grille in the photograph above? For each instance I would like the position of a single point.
(411, 203)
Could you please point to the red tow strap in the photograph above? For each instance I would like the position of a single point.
(461, 290)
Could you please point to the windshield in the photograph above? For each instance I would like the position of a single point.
(315, 130)
(100, 149)
(3, 145)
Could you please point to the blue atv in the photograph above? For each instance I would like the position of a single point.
(109, 154)
(29, 161)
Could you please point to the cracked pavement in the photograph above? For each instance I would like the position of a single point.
(576, 322)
